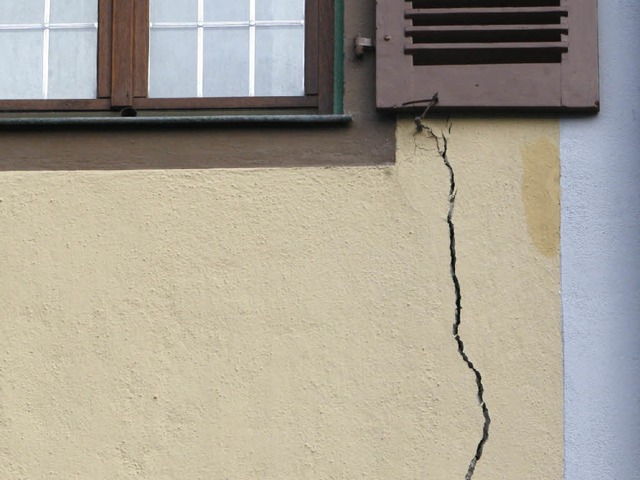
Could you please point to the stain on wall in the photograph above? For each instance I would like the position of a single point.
(541, 194)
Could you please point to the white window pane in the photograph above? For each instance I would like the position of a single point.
(74, 11)
(173, 63)
(279, 9)
(21, 11)
(226, 62)
(280, 61)
(21, 64)
(73, 63)
(173, 10)
(226, 11)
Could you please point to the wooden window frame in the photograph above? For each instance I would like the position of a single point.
(122, 79)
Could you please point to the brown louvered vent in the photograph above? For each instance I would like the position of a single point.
(479, 54)
(468, 32)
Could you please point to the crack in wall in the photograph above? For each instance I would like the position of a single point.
(442, 151)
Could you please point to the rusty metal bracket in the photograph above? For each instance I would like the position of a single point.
(362, 44)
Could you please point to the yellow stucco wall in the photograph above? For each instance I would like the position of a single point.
(285, 323)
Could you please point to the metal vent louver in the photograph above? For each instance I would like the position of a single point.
(468, 32)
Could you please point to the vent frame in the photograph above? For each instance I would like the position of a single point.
(487, 62)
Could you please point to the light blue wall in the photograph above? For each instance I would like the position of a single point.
(600, 159)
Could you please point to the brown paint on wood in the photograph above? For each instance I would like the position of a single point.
(141, 48)
(580, 85)
(225, 103)
(105, 11)
(122, 53)
(54, 105)
(311, 47)
(542, 72)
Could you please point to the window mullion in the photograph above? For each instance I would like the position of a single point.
(122, 54)
(141, 49)
(200, 64)
(311, 48)
(252, 48)
(45, 49)
(105, 9)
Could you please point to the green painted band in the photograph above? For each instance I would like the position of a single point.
(168, 121)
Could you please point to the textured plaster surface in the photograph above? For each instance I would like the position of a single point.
(601, 262)
(282, 323)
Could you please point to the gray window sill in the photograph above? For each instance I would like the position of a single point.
(175, 120)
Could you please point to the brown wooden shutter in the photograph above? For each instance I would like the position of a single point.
(487, 53)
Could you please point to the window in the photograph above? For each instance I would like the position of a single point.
(36, 141)
(166, 54)
(488, 53)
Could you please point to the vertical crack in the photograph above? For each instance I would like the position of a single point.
(442, 151)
